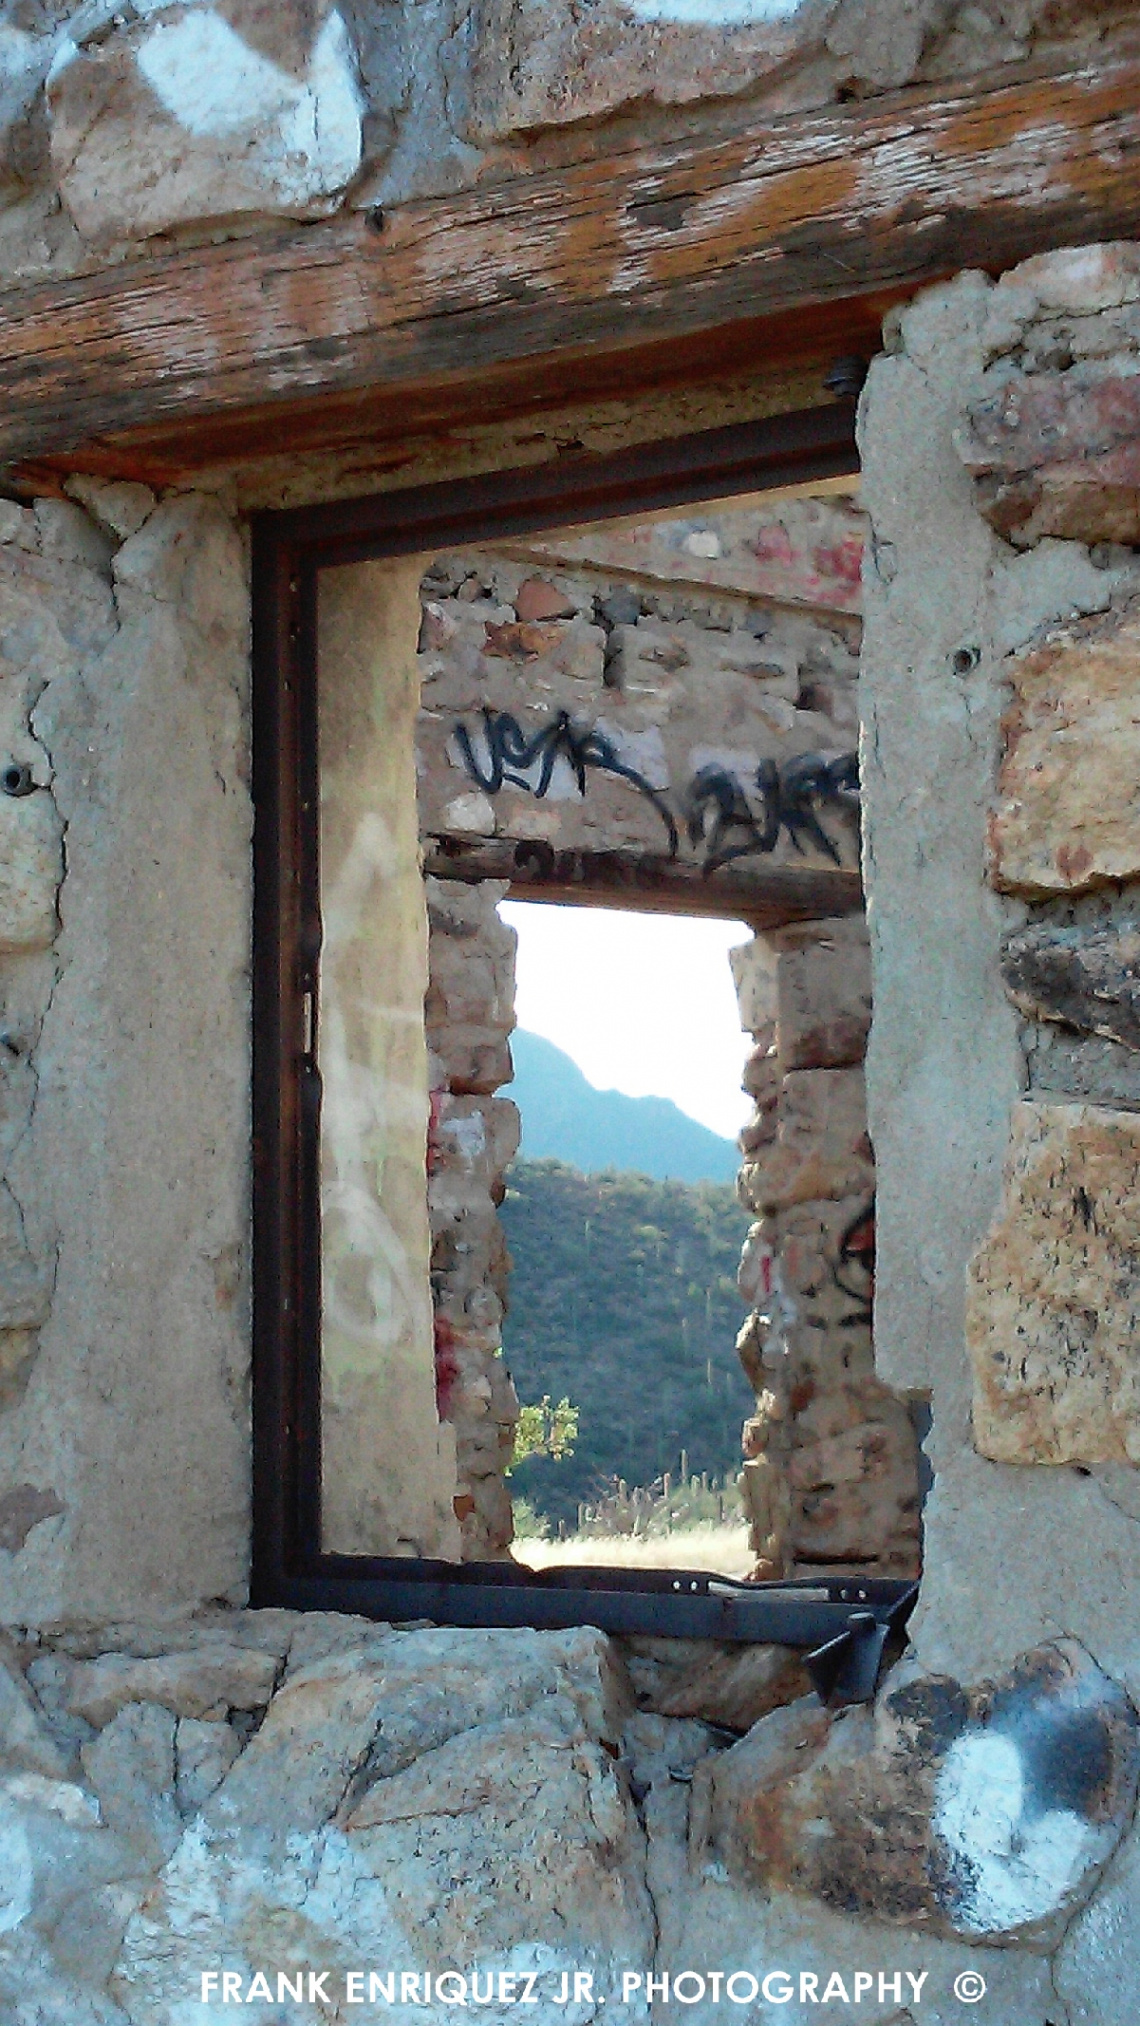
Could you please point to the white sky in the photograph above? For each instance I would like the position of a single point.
(643, 1003)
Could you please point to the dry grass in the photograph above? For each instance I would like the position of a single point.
(723, 1550)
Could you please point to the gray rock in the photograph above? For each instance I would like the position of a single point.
(1098, 1965)
(188, 1684)
(1084, 1066)
(24, 1737)
(131, 1768)
(203, 1755)
(71, 536)
(162, 122)
(987, 1812)
(435, 1797)
(1087, 980)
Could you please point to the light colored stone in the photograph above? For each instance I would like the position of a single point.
(821, 1150)
(118, 505)
(389, 1461)
(1080, 278)
(143, 716)
(206, 1677)
(203, 1755)
(71, 536)
(438, 1798)
(1054, 1305)
(185, 117)
(754, 976)
(1099, 1960)
(25, 1740)
(541, 67)
(67, 1887)
(943, 1064)
(18, 525)
(823, 993)
(1067, 816)
(130, 1766)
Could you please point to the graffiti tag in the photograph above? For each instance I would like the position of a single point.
(723, 817)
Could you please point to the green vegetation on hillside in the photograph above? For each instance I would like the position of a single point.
(624, 1303)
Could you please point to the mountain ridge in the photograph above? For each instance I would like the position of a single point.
(565, 1118)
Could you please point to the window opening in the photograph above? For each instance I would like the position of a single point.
(625, 1233)
(615, 743)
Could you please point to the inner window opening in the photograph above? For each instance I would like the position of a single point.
(635, 724)
(625, 1233)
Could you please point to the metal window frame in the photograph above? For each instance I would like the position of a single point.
(290, 548)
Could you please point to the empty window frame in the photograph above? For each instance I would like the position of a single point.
(292, 1565)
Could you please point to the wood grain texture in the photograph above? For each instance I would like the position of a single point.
(652, 247)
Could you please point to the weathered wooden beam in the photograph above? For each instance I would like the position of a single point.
(578, 266)
(764, 897)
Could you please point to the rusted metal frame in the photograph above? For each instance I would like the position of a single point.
(289, 550)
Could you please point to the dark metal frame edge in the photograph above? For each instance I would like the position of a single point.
(289, 549)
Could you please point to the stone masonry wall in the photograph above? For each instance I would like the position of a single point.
(125, 123)
(1000, 443)
(265, 1795)
(708, 658)
(703, 726)
(473, 1136)
(831, 1470)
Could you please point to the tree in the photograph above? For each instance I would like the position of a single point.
(545, 1430)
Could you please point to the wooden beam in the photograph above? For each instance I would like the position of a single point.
(570, 271)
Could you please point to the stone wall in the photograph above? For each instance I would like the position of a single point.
(123, 125)
(270, 1795)
(1000, 443)
(619, 692)
(124, 967)
(644, 716)
(388, 1468)
(473, 1135)
(831, 1471)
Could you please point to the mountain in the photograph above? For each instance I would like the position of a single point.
(565, 1119)
(623, 1300)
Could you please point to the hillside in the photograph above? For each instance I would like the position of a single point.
(565, 1119)
(623, 1298)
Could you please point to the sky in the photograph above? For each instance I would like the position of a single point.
(643, 1003)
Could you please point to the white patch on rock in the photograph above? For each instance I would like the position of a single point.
(716, 13)
(1021, 1867)
(216, 86)
(179, 118)
(643, 751)
(17, 1876)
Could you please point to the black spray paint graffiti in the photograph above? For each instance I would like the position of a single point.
(510, 752)
(719, 814)
(723, 818)
(854, 1269)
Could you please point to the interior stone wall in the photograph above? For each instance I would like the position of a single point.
(830, 1477)
(678, 658)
